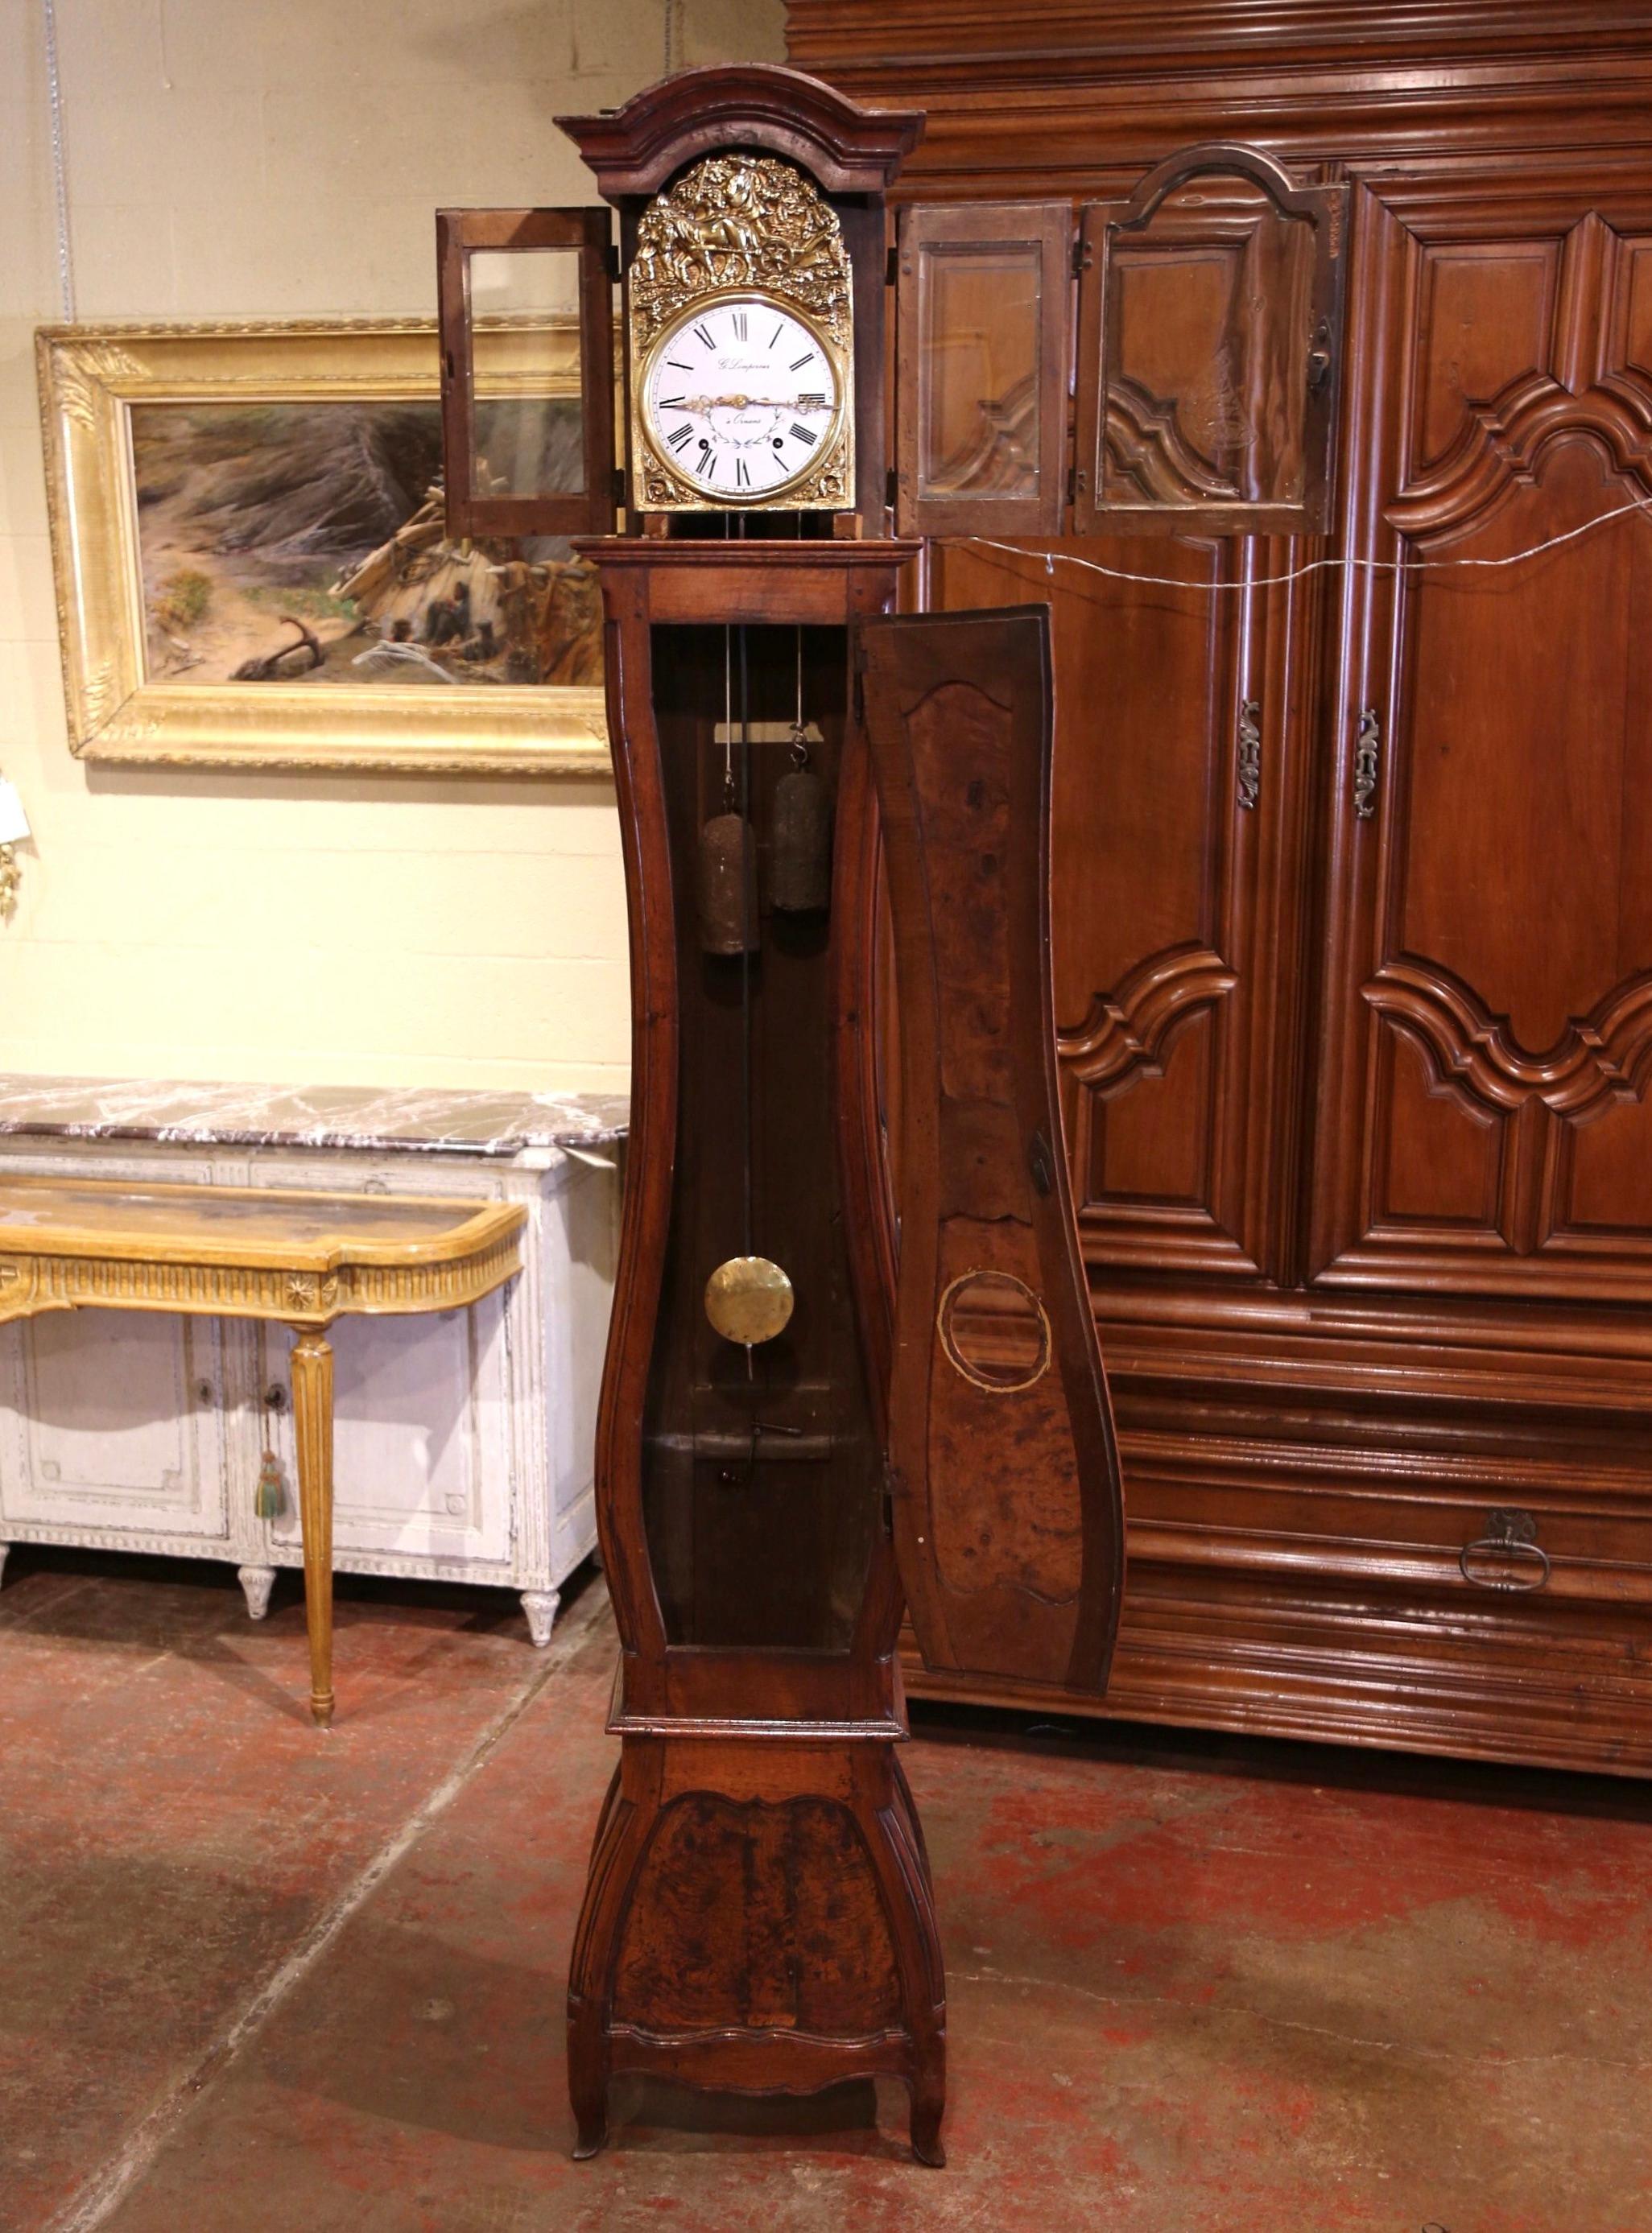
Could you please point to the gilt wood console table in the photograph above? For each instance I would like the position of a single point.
(301, 1260)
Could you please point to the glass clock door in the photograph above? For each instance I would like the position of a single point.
(525, 311)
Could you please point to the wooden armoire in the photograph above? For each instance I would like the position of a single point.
(1354, 876)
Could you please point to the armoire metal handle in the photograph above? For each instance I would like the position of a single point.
(1508, 1556)
(1249, 752)
(1319, 358)
(1367, 747)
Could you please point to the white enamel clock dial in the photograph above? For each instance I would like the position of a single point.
(742, 397)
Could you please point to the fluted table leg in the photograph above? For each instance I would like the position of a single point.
(312, 1383)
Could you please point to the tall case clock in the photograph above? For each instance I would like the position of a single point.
(816, 1410)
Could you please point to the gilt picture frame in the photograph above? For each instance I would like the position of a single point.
(250, 568)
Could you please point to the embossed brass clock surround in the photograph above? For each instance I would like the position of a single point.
(735, 226)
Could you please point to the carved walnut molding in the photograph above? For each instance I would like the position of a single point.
(1148, 451)
(1050, 92)
(1127, 1030)
(91, 378)
(850, 150)
(1604, 1056)
(1128, 1038)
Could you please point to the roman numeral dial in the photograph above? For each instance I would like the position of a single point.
(742, 397)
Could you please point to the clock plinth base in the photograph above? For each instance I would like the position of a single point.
(759, 1919)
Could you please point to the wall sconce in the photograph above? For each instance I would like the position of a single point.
(14, 826)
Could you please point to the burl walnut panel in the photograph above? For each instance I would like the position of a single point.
(758, 1915)
(1003, 1469)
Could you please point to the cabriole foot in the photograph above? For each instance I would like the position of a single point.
(925, 2135)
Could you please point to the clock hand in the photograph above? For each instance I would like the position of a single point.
(702, 404)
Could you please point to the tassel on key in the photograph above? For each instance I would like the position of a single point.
(269, 1499)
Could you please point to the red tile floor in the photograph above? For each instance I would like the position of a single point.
(256, 1977)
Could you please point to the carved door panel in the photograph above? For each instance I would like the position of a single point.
(118, 1427)
(981, 367)
(1174, 843)
(113, 1424)
(421, 1444)
(1210, 315)
(1482, 1121)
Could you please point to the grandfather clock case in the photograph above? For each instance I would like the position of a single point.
(813, 1413)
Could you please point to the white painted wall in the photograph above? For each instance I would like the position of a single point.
(268, 158)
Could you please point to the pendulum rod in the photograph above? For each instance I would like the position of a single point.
(746, 928)
(748, 1299)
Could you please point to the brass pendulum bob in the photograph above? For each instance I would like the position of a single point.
(800, 859)
(749, 1299)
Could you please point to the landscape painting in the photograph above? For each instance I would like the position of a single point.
(302, 543)
(248, 540)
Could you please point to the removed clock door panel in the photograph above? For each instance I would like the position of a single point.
(525, 306)
(1003, 1470)
(982, 298)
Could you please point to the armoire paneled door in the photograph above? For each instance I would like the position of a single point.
(1488, 1017)
(1353, 870)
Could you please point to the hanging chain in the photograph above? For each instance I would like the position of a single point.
(799, 741)
(728, 721)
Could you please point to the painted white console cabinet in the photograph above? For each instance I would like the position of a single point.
(463, 1441)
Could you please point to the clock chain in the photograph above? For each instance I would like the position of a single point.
(728, 721)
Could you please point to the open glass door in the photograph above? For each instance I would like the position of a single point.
(525, 309)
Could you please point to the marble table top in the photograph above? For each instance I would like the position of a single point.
(436, 1120)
